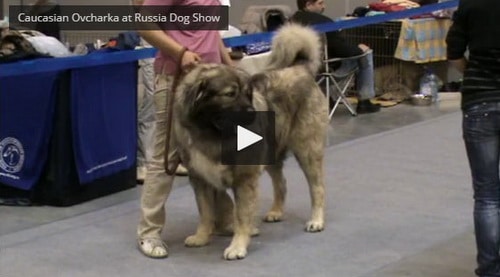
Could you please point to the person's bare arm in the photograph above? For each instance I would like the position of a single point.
(164, 43)
(226, 59)
(459, 64)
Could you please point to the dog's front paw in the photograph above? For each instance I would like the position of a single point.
(273, 216)
(315, 226)
(196, 241)
(235, 253)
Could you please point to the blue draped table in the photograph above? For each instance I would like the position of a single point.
(68, 126)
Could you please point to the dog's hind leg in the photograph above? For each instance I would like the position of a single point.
(245, 194)
(205, 200)
(275, 214)
(311, 162)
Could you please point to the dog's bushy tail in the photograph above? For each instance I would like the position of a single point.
(296, 44)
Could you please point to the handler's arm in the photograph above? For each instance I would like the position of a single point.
(226, 59)
(459, 64)
(169, 46)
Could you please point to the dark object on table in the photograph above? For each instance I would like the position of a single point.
(46, 9)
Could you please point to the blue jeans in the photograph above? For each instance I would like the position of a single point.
(365, 79)
(481, 133)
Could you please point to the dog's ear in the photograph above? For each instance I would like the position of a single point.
(244, 83)
(195, 92)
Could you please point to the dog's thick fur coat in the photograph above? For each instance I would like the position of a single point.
(286, 87)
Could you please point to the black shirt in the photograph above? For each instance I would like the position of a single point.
(476, 27)
(338, 47)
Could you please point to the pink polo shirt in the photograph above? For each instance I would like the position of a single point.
(203, 42)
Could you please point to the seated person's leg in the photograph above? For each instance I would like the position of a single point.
(345, 67)
(365, 83)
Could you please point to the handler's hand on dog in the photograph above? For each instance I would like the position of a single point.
(189, 59)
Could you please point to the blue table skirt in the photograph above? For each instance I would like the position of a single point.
(104, 120)
(26, 118)
(103, 113)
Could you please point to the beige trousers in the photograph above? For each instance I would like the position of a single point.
(158, 184)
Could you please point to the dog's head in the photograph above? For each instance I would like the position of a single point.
(211, 91)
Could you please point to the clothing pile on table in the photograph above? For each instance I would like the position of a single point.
(18, 43)
(386, 6)
(21, 44)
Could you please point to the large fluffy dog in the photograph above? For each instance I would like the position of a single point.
(289, 89)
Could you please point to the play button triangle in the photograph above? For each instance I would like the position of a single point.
(245, 138)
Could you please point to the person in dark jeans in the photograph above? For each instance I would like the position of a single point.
(475, 27)
(310, 13)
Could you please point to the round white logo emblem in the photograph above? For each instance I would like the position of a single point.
(11, 155)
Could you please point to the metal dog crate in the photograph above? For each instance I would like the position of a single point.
(383, 39)
(76, 37)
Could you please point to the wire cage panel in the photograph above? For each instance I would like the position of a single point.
(382, 38)
(77, 37)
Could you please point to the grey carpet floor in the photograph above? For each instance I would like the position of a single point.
(398, 204)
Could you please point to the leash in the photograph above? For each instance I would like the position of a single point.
(170, 112)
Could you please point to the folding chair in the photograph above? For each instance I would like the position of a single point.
(341, 78)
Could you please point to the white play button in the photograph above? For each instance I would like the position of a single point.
(248, 138)
(245, 138)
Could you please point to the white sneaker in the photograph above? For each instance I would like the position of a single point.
(141, 174)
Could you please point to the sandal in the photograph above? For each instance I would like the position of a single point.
(153, 248)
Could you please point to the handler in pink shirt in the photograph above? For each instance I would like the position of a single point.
(203, 46)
